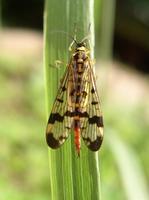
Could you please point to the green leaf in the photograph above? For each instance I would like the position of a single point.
(70, 177)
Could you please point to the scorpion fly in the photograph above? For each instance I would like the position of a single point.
(77, 105)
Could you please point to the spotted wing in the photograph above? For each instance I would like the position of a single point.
(92, 123)
(59, 124)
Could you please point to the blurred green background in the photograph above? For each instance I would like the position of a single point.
(122, 49)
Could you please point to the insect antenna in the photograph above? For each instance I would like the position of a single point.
(68, 35)
(87, 38)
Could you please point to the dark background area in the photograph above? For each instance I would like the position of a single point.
(131, 44)
(28, 14)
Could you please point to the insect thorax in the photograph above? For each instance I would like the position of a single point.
(77, 92)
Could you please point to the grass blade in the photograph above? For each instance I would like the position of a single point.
(70, 177)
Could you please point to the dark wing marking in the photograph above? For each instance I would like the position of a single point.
(59, 124)
(92, 125)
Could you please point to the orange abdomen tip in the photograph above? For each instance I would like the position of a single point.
(77, 140)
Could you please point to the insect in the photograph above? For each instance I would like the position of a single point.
(77, 105)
